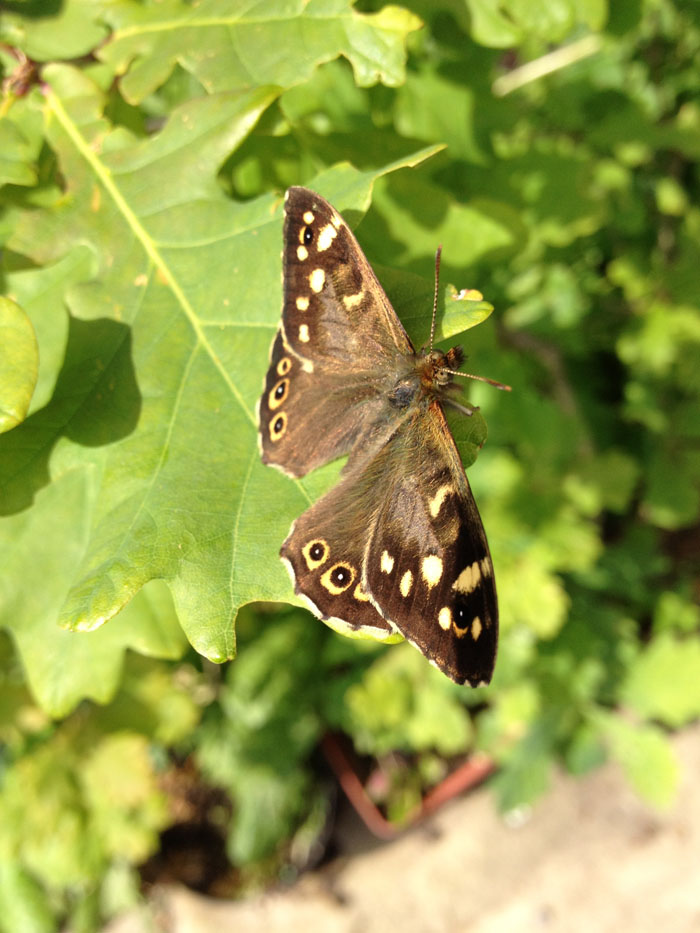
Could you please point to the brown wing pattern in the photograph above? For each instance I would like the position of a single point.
(426, 566)
(398, 544)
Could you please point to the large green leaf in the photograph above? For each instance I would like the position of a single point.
(143, 463)
(229, 43)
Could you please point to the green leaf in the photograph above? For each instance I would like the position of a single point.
(23, 904)
(19, 362)
(676, 613)
(225, 43)
(413, 216)
(43, 546)
(645, 756)
(258, 747)
(16, 154)
(511, 22)
(158, 386)
(121, 790)
(73, 29)
(402, 703)
(664, 681)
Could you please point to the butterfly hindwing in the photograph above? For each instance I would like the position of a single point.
(323, 553)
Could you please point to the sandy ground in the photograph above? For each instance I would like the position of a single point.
(589, 857)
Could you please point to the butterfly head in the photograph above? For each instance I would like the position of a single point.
(436, 369)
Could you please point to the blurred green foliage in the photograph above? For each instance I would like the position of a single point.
(553, 150)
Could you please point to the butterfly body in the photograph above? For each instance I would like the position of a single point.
(398, 544)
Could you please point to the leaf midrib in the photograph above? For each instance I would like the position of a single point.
(151, 250)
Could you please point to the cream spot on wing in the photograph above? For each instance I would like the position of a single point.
(308, 217)
(431, 569)
(476, 628)
(486, 567)
(326, 237)
(316, 280)
(304, 333)
(307, 366)
(445, 618)
(435, 504)
(469, 578)
(302, 253)
(352, 301)
(387, 562)
(335, 220)
(360, 594)
(406, 583)
(302, 304)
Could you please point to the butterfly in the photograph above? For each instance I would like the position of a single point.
(398, 544)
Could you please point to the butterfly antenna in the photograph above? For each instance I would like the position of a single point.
(491, 382)
(435, 297)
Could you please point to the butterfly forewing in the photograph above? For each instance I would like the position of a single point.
(398, 544)
(335, 312)
(427, 564)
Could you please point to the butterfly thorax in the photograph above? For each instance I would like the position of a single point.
(429, 379)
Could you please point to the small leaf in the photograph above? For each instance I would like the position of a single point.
(663, 682)
(19, 364)
(645, 756)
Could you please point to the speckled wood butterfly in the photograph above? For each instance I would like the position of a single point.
(398, 544)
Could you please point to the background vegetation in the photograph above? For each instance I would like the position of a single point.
(144, 148)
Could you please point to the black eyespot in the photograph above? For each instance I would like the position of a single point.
(340, 576)
(308, 235)
(278, 425)
(316, 552)
(461, 618)
(280, 390)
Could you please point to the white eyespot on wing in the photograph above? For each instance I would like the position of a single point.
(315, 552)
(326, 237)
(338, 578)
(431, 570)
(387, 562)
(445, 618)
(406, 583)
(317, 280)
(469, 579)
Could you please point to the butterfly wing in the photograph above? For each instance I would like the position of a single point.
(308, 418)
(335, 313)
(338, 345)
(425, 566)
